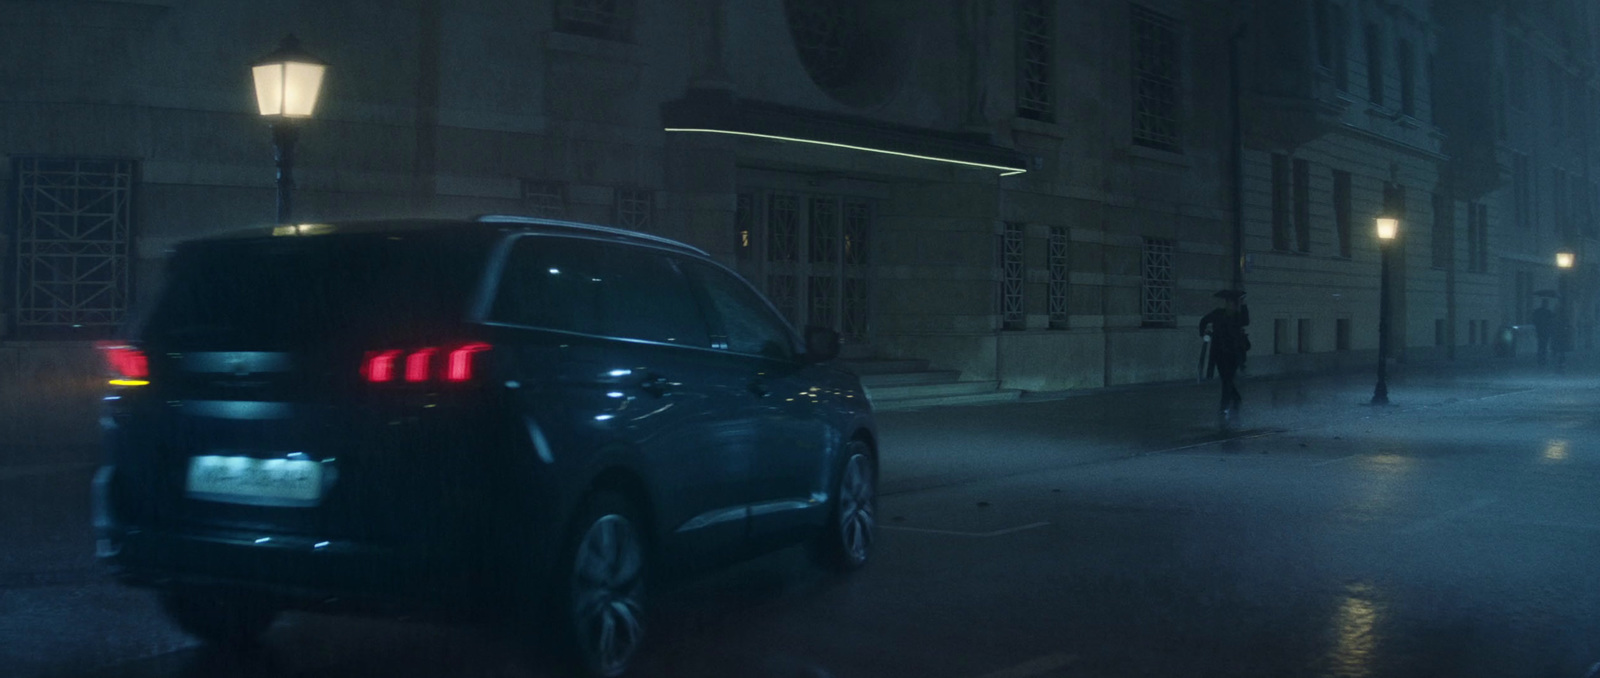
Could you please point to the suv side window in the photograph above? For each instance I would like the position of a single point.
(547, 283)
(598, 288)
(750, 325)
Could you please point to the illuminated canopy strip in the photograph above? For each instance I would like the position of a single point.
(1004, 171)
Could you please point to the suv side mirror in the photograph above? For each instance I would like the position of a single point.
(822, 344)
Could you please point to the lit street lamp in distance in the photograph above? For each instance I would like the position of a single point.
(1388, 227)
(1565, 260)
(288, 82)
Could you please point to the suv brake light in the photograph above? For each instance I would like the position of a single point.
(419, 366)
(128, 365)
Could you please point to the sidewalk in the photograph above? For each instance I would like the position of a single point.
(940, 446)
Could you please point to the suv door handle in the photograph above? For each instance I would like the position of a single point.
(759, 388)
(656, 386)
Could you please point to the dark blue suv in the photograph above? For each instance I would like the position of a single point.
(506, 415)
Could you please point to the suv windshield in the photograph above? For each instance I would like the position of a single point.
(286, 293)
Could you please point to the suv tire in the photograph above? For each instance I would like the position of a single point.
(845, 542)
(600, 586)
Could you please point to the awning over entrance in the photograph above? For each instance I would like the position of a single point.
(704, 112)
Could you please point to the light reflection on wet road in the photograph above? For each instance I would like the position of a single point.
(1451, 536)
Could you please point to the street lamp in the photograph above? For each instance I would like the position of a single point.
(1388, 227)
(1564, 261)
(287, 84)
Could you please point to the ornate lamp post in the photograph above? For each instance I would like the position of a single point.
(1388, 227)
(287, 84)
(1564, 262)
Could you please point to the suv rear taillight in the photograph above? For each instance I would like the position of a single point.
(128, 365)
(423, 365)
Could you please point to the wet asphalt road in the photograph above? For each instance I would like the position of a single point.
(1112, 535)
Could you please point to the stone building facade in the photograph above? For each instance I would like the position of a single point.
(1040, 193)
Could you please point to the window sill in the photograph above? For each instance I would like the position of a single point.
(1156, 155)
(599, 48)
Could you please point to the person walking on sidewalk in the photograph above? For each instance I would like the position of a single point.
(1544, 327)
(1229, 343)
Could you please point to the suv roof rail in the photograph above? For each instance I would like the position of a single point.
(540, 221)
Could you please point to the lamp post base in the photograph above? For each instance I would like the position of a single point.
(1380, 394)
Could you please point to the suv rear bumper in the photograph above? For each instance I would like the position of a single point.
(293, 571)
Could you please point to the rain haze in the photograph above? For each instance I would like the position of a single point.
(799, 338)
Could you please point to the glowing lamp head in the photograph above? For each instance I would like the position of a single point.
(1565, 259)
(1388, 228)
(288, 81)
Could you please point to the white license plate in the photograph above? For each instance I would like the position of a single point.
(248, 480)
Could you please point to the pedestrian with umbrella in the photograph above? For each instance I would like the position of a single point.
(1229, 343)
(1544, 323)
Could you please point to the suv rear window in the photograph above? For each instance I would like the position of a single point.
(285, 293)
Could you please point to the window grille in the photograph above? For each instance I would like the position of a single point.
(605, 19)
(73, 245)
(823, 300)
(1155, 80)
(1011, 313)
(744, 218)
(544, 199)
(824, 231)
(1035, 52)
(1156, 288)
(854, 304)
(781, 288)
(634, 209)
(827, 34)
(1058, 277)
(783, 228)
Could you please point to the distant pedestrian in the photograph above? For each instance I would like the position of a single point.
(1544, 327)
(1229, 344)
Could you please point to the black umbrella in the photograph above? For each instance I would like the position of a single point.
(1548, 293)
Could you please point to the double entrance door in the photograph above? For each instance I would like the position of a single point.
(811, 254)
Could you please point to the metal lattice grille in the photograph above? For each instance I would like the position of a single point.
(824, 230)
(1011, 313)
(823, 301)
(783, 228)
(1058, 277)
(855, 310)
(1156, 290)
(634, 209)
(826, 34)
(744, 218)
(781, 288)
(74, 236)
(1155, 80)
(546, 199)
(857, 217)
(607, 19)
(1035, 43)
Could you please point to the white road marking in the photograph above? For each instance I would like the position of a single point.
(1427, 524)
(1034, 667)
(958, 533)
